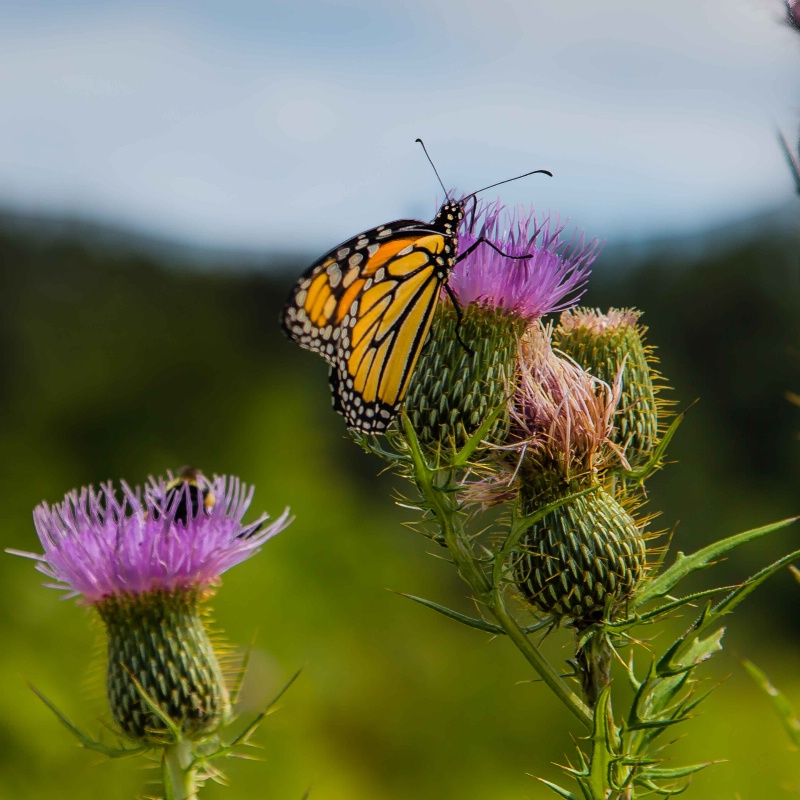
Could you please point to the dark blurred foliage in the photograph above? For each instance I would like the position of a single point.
(117, 365)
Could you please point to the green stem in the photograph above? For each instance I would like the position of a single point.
(436, 488)
(179, 771)
(542, 666)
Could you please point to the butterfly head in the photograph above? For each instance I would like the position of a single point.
(449, 217)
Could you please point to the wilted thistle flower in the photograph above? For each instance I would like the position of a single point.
(454, 390)
(610, 345)
(585, 557)
(146, 559)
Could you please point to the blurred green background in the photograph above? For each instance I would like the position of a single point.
(118, 363)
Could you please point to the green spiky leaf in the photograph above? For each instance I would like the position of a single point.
(784, 709)
(685, 565)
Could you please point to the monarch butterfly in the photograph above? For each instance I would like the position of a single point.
(367, 305)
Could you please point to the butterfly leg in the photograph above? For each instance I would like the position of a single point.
(459, 317)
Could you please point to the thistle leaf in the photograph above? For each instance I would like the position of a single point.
(685, 565)
(785, 710)
(470, 622)
(559, 791)
(86, 741)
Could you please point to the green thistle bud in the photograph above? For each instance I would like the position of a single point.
(585, 557)
(611, 347)
(582, 560)
(453, 391)
(159, 649)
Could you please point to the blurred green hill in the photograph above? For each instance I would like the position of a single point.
(118, 362)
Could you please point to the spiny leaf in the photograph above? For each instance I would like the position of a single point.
(658, 453)
(667, 608)
(671, 773)
(472, 622)
(558, 790)
(781, 704)
(684, 565)
(87, 741)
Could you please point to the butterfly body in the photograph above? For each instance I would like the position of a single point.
(366, 307)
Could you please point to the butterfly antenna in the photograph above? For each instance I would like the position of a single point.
(430, 161)
(508, 180)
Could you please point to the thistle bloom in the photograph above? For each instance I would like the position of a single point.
(99, 544)
(146, 559)
(582, 559)
(545, 273)
(456, 388)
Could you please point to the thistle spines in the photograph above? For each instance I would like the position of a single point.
(582, 560)
(453, 391)
(611, 346)
(159, 653)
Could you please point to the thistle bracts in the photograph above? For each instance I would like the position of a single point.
(611, 347)
(162, 668)
(581, 561)
(147, 560)
(584, 558)
(454, 390)
(466, 372)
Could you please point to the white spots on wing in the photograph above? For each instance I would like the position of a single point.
(350, 276)
(334, 275)
(372, 249)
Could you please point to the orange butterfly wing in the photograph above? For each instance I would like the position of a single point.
(366, 307)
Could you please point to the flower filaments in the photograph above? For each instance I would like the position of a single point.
(455, 389)
(583, 558)
(147, 560)
(611, 347)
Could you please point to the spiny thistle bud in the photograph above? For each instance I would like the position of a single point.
(585, 557)
(159, 653)
(611, 347)
(147, 560)
(453, 391)
(581, 560)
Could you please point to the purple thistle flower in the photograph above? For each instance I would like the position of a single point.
(98, 544)
(551, 280)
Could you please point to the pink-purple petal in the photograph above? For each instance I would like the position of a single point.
(552, 279)
(100, 543)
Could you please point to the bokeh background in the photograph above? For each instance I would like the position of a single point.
(167, 170)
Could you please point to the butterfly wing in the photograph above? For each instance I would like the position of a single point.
(366, 308)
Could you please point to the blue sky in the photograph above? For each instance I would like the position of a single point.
(292, 124)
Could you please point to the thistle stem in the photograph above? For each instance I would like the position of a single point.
(178, 769)
(436, 489)
(534, 657)
(594, 664)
